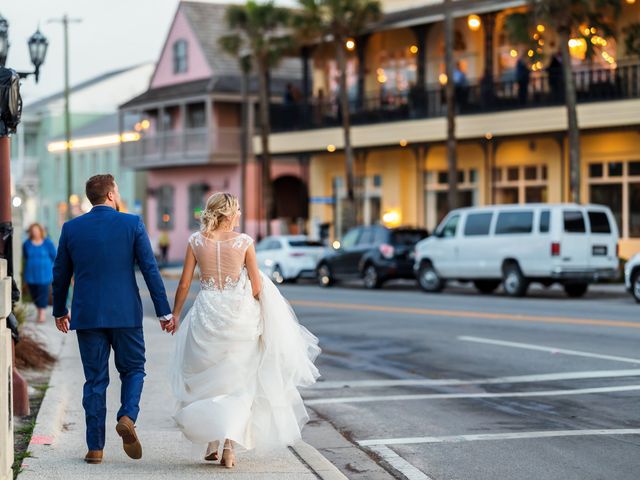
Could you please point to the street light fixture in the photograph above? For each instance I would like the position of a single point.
(38, 45)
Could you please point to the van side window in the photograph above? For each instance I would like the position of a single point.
(545, 217)
(477, 224)
(450, 228)
(514, 222)
(599, 222)
(573, 221)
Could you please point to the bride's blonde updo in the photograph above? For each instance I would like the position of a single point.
(219, 206)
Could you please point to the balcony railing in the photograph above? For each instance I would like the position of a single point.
(196, 146)
(591, 86)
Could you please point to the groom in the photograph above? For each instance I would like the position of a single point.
(99, 250)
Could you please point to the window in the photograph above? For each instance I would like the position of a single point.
(196, 115)
(367, 236)
(180, 56)
(573, 221)
(305, 243)
(408, 237)
(616, 184)
(599, 222)
(514, 223)
(350, 238)
(197, 192)
(545, 217)
(478, 224)
(523, 184)
(165, 195)
(274, 245)
(449, 229)
(437, 189)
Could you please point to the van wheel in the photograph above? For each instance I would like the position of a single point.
(576, 290)
(635, 285)
(325, 277)
(429, 280)
(513, 281)
(486, 286)
(371, 277)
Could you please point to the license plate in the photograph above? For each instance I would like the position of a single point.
(599, 250)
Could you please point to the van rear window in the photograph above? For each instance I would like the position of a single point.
(514, 222)
(573, 221)
(599, 222)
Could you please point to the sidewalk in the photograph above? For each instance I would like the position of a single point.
(58, 446)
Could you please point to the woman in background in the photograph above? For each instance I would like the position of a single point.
(39, 254)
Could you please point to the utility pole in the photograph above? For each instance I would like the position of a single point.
(65, 21)
(452, 160)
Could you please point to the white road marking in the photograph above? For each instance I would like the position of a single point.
(497, 436)
(443, 396)
(544, 377)
(543, 348)
(399, 463)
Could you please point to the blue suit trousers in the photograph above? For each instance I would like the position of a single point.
(95, 349)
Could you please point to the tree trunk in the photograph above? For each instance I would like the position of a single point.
(265, 131)
(349, 212)
(452, 160)
(244, 144)
(572, 116)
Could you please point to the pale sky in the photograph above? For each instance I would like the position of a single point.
(111, 35)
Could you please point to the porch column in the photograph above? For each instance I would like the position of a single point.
(361, 52)
(486, 85)
(212, 130)
(182, 145)
(418, 92)
(305, 56)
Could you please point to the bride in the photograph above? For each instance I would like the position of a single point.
(240, 353)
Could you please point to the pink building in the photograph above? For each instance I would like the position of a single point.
(190, 137)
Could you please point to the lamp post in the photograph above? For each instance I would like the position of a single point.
(10, 110)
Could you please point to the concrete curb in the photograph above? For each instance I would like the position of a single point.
(49, 422)
(317, 462)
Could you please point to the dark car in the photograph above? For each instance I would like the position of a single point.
(374, 253)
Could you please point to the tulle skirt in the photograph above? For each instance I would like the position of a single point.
(238, 365)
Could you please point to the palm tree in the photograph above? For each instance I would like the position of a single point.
(565, 17)
(452, 159)
(337, 21)
(259, 34)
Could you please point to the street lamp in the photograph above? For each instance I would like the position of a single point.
(38, 45)
(4, 39)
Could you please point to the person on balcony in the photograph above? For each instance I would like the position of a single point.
(554, 72)
(523, 74)
(461, 85)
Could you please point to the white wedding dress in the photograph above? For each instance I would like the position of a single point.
(239, 361)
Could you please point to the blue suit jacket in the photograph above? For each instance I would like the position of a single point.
(100, 249)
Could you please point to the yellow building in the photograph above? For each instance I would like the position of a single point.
(512, 145)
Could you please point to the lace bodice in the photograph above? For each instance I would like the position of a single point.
(221, 262)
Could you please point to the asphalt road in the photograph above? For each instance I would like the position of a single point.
(460, 386)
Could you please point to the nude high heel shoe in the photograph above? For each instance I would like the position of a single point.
(228, 456)
(212, 451)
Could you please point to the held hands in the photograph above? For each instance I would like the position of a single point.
(62, 323)
(170, 326)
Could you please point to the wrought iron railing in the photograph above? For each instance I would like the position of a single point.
(592, 85)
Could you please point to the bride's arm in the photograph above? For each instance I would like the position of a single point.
(185, 283)
(253, 271)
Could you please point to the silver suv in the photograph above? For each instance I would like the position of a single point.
(632, 276)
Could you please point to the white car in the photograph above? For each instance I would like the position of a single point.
(519, 244)
(632, 276)
(287, 258)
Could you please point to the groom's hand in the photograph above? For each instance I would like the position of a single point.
(62, 323)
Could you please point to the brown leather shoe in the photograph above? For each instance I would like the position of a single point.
(93, 456)
(127, 431)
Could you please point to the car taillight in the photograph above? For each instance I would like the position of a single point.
(555, 249)
(386, 250)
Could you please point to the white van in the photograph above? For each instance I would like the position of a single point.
(519, 244)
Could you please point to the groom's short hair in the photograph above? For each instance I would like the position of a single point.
(98, 187)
